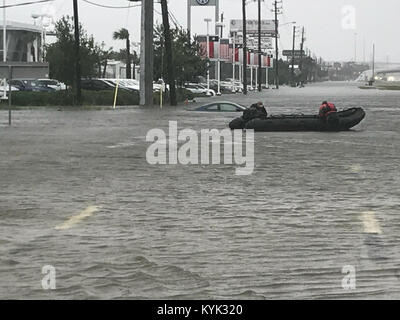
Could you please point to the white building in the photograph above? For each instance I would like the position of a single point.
(117, 70)
(24, 42)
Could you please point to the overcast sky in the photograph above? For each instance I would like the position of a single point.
(329, 30)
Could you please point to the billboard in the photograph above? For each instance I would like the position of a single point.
(267, 26)
(203, 3)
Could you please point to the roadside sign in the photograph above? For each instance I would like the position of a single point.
(289, 53)
(267, 26)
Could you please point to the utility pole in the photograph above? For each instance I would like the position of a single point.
(244, 48)
(168, 52)
(294, 41)
(216, 16)
(259, 47)
(146, 54)
(276, 11)
(189, 18)
(77, 56)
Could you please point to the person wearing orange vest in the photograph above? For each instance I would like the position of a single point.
(326, 109)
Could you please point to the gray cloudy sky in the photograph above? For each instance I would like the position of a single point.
(377, 21)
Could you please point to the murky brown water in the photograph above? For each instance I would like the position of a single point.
(201, 232)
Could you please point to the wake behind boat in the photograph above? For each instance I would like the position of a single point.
(298, 122)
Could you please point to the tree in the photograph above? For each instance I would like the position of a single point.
(60, 54)
(187, 56)
(123, 34)
(103, 56)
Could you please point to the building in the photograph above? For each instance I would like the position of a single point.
(24, 42)
(117, 70)
(24, 51)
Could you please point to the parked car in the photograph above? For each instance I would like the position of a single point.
(238, 86)
(124, 84)
(96, 85)
(52, 83)
(102, 85)
(199, 89)
(222, 106)
(7, 88)
(30, 85)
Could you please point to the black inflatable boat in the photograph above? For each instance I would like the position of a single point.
(346, 119)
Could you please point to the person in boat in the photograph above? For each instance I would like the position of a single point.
(256, 110)
(328, 113)
(326, 108)
(262, 112)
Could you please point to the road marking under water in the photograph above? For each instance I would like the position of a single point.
(371, 224)
(78, 218)
(356, 168)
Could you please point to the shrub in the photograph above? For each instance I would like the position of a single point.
(89, 98)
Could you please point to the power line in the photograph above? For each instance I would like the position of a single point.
(111, 7)
(24, 4)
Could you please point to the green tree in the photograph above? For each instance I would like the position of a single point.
(187, 60)
(123, 34)
(60, 54)
(103, 55)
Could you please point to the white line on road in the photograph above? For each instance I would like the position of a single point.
(371, 224)
(78, 218)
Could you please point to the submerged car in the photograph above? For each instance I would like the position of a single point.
(223, 106)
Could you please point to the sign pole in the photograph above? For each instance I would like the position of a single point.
(233, 61)
(9, 94)
(259, 47)
(4, 44)
(216, 33)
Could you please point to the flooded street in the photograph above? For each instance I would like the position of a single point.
(77, 193)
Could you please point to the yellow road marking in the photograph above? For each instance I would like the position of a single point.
(78, 218)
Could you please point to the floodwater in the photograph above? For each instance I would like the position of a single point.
(77, 193)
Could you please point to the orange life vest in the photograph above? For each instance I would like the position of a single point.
(326, 109)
